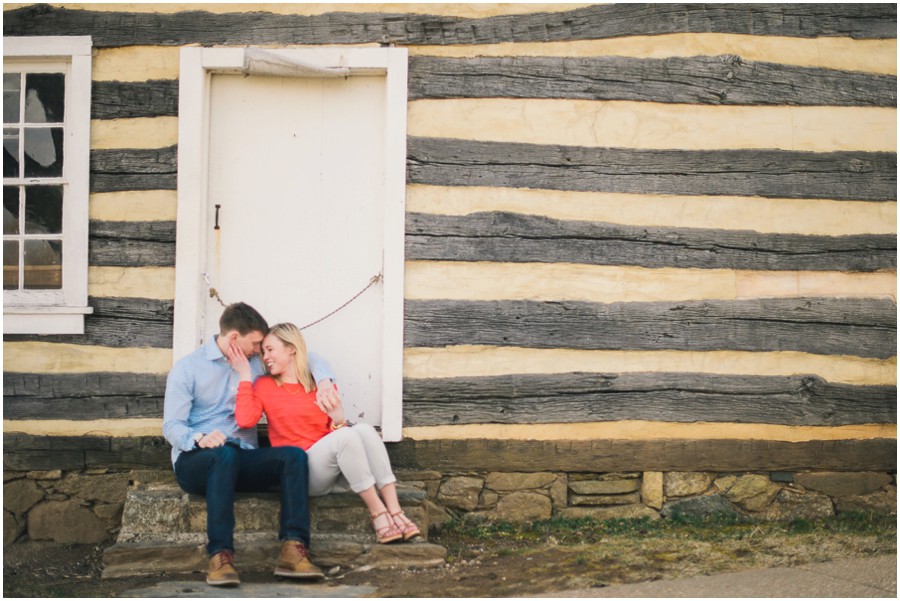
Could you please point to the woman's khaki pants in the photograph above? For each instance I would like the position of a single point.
(350, 458)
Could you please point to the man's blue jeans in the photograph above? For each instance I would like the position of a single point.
(220, 472)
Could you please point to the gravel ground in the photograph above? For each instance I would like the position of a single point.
(495, 563)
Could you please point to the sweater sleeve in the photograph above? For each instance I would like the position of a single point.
(248, 408)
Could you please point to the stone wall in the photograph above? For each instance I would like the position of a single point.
(86, 507)
(768, 496)
(68, 507)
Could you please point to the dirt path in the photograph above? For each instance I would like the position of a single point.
(499, 563)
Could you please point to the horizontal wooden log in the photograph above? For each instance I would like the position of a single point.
(132, 243)
(507, 399)
(118, 323)
(110, 28)
(770, 173)
(514, 237)
(668, 397)
(28, 452)
(134, 169)
(855, 327)
(130, 99)
(89, 396)
(637, 455)
(716, 80)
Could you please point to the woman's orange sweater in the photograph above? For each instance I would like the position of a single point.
(294, 418)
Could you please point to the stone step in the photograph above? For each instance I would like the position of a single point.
(164, 530)
(159, 557)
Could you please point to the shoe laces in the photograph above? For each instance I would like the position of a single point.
(223, 558)
(298, 550)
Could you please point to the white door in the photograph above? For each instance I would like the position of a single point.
(309, 175)
(296, 168)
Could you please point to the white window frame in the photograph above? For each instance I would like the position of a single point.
(196, 68)
(59, 311)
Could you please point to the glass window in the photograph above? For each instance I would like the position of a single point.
(43, 152)
(10, 152)
(33, 211)
(10, 210)
(43, 265)
(11, 85)
(46, 148)
(45, 97)
(10, 265)
(43, 210)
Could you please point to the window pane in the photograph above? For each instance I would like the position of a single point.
(10, 265)
(43, 209)
(45, 97)
(10, 210)
(43, 152)
(43, 264)
(12, 83)
(10, 153)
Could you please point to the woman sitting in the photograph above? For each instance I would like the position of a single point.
(341, 455)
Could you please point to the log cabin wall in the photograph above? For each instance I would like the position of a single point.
(639, 237)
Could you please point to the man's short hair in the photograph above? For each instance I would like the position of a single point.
(243, 318)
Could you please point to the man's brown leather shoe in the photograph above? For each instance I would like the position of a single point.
(221, 570)
(293, 562)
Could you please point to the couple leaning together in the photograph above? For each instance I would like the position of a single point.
(214, 398)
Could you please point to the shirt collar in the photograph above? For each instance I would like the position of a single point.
(212, 351)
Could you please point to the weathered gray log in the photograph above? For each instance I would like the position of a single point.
(594, 22)
(858, 327)
(669, 397)
(718, 80)
(129, 99)
(605, 455)
(514, 237)
(508, 399)
(134, 169)
(132, 243)
(769, 173)
(29, 452)
(89, 396)
(119, 323)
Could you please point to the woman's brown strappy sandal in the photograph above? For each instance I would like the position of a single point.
(387, 533)
(403, 523)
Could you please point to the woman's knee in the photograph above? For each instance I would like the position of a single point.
(345, 436)
(365, 431)
(347, 443)
(367, 428)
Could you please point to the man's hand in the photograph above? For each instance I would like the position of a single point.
(212, 440)
(239, 362)
(329, 401)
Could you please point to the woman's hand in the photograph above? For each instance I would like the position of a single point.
(239, 362)
(329, 401)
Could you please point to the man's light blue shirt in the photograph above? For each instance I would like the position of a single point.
(201, 392)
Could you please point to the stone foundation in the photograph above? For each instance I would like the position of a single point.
(86, 507)
(65, 507)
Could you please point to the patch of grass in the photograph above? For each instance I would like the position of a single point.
(858, 522)
(575, 531)
(800, 526)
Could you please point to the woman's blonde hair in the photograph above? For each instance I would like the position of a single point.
(290, 335)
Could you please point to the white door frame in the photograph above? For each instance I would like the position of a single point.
(191, 291)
